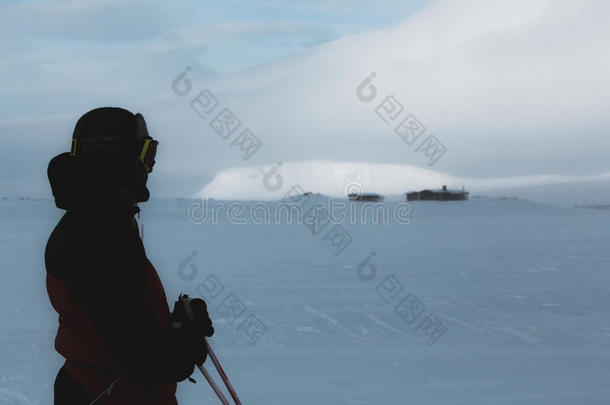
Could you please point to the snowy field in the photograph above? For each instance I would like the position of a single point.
(522, 289)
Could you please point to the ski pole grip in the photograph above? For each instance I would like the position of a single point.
(186, 303)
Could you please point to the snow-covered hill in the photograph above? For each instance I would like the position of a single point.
(337, 179)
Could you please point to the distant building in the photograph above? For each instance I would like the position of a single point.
(438, 195)
(365, 197)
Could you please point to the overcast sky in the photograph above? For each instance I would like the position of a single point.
(510, 88)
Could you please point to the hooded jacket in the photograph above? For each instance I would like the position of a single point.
(113, 313)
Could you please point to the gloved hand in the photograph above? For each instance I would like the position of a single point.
(192, 314)
(201, 321)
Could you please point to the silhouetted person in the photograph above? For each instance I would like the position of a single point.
(115, 331)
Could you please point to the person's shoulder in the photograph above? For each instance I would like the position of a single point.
(102, 229)
(57, 248)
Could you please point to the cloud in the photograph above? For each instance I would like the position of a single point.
(510, 88)
(523, 83)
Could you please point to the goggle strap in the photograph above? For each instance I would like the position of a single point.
(143, 152)
(73, 147)
(142, 157)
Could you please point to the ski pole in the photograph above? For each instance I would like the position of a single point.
(212, 383)
(222, 373)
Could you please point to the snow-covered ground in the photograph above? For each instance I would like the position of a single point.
(522, 289)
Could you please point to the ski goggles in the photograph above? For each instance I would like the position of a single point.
(146, 155)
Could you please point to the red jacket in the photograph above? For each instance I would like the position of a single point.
(87, 359)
